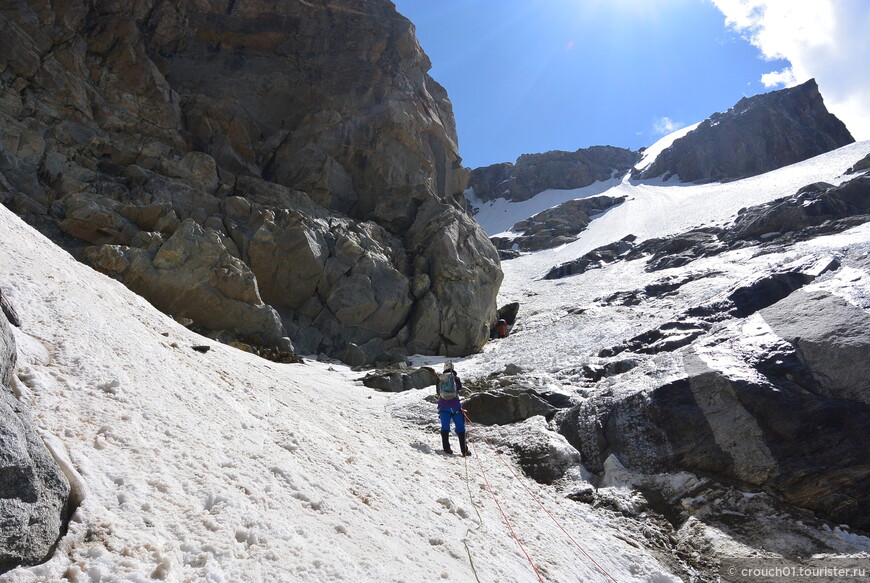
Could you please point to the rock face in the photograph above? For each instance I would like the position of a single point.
(534, 173)
(33, 489)
(266, 169)
(791, 431)
(759, 134)
(831, 338)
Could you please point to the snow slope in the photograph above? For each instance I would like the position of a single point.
(224, 467)
(498, 216)
(652, 209)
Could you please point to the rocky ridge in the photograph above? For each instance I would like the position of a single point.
(757, 135)
(535, 173)
(266, 171)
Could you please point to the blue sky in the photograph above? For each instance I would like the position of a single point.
(530, 76)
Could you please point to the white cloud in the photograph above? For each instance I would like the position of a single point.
(824, 39)
(665, 125)
(784, 78)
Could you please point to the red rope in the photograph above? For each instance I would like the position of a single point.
(508, 522)
(547, 512)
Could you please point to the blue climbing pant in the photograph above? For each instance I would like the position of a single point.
(458, 419)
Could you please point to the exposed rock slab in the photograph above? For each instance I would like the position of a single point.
(778, 429)
(831, 338)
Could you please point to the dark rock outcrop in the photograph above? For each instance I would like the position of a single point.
(398, 380)
(305, 140)
(535, 173)
(814, 210)
(505, 406)
(33, 489)
(8, 310)
(743, 300)
(860, 166)
(558, 225)
(666, 338)
(594, 259)
(509, 313)
(793, 428)
(757, 135)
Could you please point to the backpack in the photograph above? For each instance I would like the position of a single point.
(447, 386)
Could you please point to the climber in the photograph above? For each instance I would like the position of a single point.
(450, 408)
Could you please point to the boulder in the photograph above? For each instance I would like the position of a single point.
(757, 135)
(395, 381)
(544, 455)
(509, 313)
(193, 275)
(34, 491)
(505, 406)
(831, 338)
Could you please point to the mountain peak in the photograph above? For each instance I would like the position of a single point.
(759, 134)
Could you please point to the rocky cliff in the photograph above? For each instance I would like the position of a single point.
(535, 173)
(759, 134)
(267, 169)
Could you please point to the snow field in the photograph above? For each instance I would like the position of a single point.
(223, 467)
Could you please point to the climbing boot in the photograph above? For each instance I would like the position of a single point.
(462, 445)
(445, 441)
